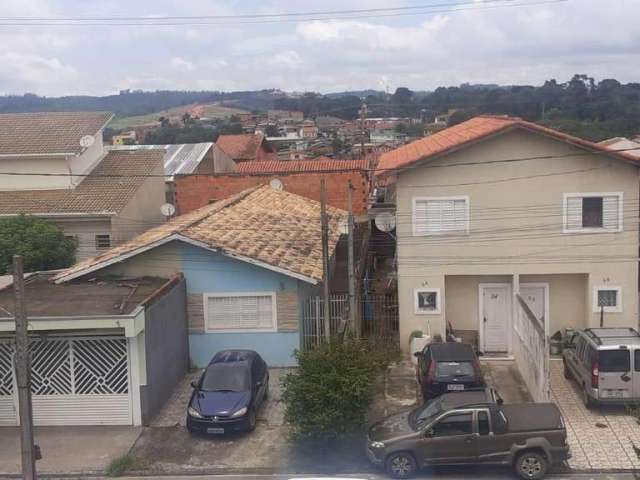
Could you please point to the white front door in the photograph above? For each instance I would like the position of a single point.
(535, 296)
(495, 301)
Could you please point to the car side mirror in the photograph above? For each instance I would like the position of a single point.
(418, 354)
(429, 433)
(194, 384)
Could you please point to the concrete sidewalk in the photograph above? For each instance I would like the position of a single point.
(68, 450)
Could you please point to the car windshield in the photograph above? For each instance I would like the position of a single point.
(454, 369)
(225, 378)
(422, 415)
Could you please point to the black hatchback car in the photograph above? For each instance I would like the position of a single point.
(229, 393)
(448, 367)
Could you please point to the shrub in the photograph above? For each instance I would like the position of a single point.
(328, 395)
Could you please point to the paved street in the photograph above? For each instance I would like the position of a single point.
(453, 476)
(601, 438)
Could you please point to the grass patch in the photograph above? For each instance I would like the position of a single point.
(119, 466)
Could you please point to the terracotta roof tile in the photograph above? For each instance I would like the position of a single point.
(240, 147)
(97, 193)
(472, 130)
(321, 164)
(274, 227)
(51, 132)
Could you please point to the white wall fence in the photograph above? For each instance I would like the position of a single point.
(531, 351)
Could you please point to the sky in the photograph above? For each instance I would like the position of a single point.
(524, 44)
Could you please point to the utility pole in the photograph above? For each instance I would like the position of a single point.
(352, 274)
(363, 115)
(23, 373)
(325, 258)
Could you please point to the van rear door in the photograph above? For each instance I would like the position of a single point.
(614, 374)
(636, 374)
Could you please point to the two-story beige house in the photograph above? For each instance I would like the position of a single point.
(53, 165)
(497, 212)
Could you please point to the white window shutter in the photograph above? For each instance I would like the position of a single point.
(240, 313)
(437, 216)
(611, 212)
(574, 213)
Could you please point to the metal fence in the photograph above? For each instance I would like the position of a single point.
(377, 317)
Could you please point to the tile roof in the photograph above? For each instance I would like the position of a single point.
(51, 132)
(273, 228)
(473, 130)
(631, 147)
(240, 147)
(100, 193)
(321, 164)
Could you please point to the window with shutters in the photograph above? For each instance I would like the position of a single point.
(607, 299)
(103, 241)
(240, 312)
(593, 212)
(440, 216)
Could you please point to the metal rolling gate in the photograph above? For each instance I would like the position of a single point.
(74, 381)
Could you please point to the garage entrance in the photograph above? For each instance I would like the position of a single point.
(76, 380)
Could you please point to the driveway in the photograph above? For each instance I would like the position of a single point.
(68, 450)
(600, 439)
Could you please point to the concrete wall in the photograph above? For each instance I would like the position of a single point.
(193, 192)
(143, 210)
(85, 162)
(516, 224)
(85, 230)
(56, 165)
(166, 349)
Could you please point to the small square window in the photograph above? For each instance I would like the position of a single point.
(427, 301)
(103, 241)
(608, 299)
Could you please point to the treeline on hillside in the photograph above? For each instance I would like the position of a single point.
(581, 106)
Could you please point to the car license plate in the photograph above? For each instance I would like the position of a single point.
(455, 387)
(613, 393)
(215, 430)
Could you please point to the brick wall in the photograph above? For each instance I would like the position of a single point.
(196, 191)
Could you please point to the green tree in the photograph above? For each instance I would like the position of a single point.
(42, 244)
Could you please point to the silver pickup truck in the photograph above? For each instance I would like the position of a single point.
(463, 428)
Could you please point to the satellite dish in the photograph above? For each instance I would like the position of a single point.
(86, 141)
(167, 210)
(385, 221)
(276, 184)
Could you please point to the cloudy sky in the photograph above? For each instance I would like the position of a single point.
(421, 48)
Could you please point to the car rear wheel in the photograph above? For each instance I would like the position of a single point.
(401, 465)
(566, 371)
(531, 465)
(586, 399)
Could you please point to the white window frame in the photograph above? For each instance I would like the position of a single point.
(417, 309)
(617, 308)
(274, 312)
(565, 215)
(415, 200)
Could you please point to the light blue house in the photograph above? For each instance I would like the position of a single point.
(248, 262)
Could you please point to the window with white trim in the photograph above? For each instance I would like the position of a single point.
(240, 312)
(427, 301)
(608, 299)
(440, 215)
(593, 212)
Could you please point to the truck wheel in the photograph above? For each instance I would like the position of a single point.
(401, 465)
(589, 402)
(531, 465)
(566, 371)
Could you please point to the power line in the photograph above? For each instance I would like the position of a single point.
(167, 21)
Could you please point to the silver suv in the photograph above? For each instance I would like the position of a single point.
(605, 362)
